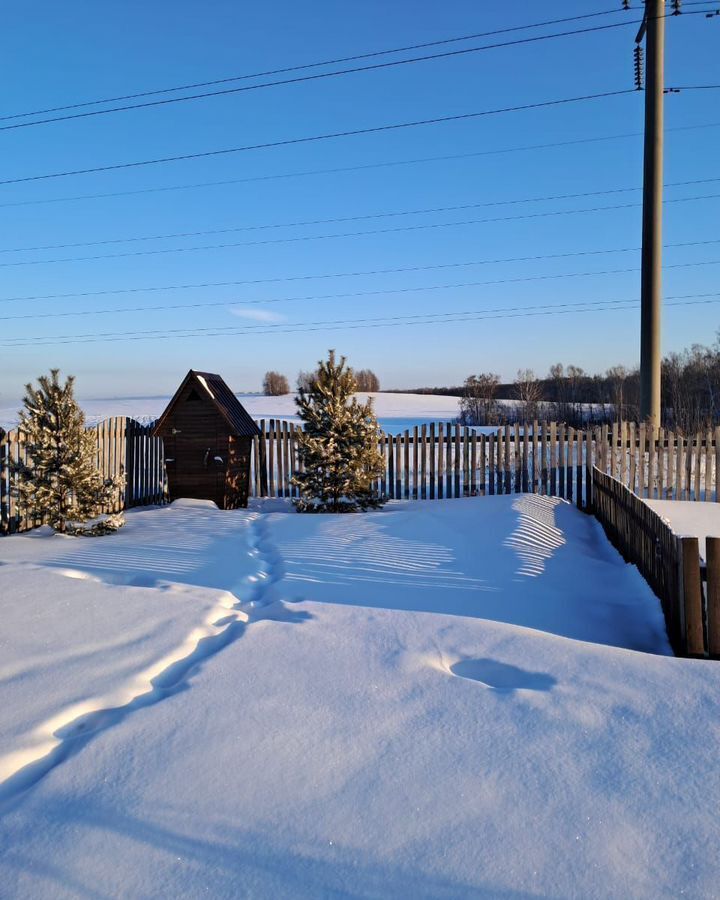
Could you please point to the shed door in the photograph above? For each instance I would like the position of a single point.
(198, 470)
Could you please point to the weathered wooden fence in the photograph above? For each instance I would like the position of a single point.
(669, 563)
(124, 448)
(428, 462)
(443, 460)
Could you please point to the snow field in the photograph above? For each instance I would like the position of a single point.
(526, 560)
(433, 700)
(87, 628)
(396, 412)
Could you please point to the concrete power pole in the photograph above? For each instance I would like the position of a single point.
(651, 282)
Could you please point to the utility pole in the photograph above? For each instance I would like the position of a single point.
(653, 27)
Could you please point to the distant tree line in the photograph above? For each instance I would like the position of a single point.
(275, 384)
(690, 391)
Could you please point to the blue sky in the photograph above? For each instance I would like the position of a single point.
(67, 53)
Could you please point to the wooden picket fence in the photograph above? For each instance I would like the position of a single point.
(446, 460)
(436, 461)
(669, 563)
(124, 448)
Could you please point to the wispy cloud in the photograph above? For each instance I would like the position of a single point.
(257, 314)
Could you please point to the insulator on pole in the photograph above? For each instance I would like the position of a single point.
(639, 68)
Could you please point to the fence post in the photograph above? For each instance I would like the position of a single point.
(691, 593)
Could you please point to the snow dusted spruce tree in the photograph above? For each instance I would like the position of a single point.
(60, 484)
(338, 447)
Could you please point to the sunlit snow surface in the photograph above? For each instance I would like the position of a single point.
(395, 412)
(441, 699)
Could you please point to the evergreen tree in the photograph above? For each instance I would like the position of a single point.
(338, 446)
(60, 483)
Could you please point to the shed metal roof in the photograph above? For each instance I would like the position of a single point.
(228, 405)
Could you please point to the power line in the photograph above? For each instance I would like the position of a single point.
(317, 76)
(343, 169)
(331, 275)
(377, 129)
(230, 302)
(384, 322)
(371, 216)
(346, 234)
(297, 68)
(213, 331)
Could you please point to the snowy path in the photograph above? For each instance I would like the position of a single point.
(92, 630)
(413, 709)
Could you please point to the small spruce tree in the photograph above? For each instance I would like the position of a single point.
(60, 483)
(338, 446)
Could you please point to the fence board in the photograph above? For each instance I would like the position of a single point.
(692, 590)
(473, 464)
(579, 468)
(457, 461)
(481, 483)
(569, 472)
(431, 449)
(448, 460)
(708, 465)
(680, 469)
(278, 441)
(641, 460)
(489, 442)
(398, 465)
(652, 460)
(712, 553)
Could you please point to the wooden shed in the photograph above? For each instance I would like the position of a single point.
(207, 435)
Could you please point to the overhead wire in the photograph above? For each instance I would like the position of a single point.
(343, 169)
(377, 215)
(351, 274)
(340, 235)
(317, 76)
(376, 129)
(296, 68)
(230, 302)
(383, 322)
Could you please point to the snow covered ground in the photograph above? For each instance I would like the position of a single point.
(396, 412)
(698, 519)
(436, 700)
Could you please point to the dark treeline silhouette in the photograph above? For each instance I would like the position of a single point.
(690, 391)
